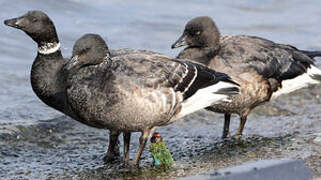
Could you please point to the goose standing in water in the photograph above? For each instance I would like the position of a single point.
(137, 92)
(47, 78)
(263, 69)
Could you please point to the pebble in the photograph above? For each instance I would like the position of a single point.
(317, 140)
(180, 172)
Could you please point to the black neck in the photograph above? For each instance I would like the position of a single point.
(47, 79)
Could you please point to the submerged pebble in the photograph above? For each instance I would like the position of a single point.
(317, 140)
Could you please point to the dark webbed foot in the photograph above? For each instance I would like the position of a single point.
(226, 136)
(113, 153)
(111, 157)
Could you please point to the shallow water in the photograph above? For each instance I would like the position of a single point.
(152, 25)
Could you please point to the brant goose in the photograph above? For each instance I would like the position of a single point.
(263, 69)
(137, 92)
(47, 76)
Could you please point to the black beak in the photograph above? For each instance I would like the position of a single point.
(180, 42)
(72, 64)
(15, 22)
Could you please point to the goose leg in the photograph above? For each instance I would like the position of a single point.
(126, 148)
(113, 147)
(241, 127)
(226, 128)
(142, 143)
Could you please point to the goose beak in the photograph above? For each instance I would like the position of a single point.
(15, 22)
(180, 42)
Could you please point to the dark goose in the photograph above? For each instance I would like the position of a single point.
(263, 69)
(47, 79)
(137, 92)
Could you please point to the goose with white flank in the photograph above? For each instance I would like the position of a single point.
(47, 77)
(263, 69)
(137, 92)
(141, 90)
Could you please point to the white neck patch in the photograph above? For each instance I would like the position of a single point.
(49, 48)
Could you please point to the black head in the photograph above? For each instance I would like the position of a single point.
(37, 25)
(90, 49)
(156, 138)
(199, 32)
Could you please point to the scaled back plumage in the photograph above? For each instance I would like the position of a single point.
(141, 90)
(264, 69)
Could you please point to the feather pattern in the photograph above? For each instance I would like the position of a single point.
(140, 87)
(262, 67)
(269, 59)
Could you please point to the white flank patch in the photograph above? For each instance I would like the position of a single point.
(298, 82)
(49, 48)
(203, 98)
